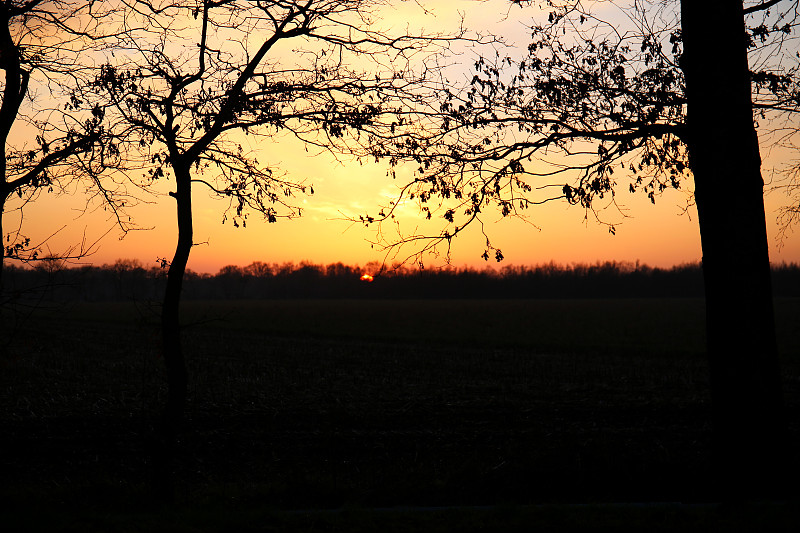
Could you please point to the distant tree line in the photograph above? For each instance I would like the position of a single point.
(131, 280)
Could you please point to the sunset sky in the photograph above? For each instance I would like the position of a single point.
(664, 234)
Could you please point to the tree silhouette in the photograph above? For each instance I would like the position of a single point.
(589, 106)
(197, 77)
(50, 137)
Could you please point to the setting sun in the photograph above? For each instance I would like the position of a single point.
(367, 278)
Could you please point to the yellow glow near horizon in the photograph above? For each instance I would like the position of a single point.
(662, 235)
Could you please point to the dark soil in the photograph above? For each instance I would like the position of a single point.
(303, 423)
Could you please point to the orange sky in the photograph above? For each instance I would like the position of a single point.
(660, 235)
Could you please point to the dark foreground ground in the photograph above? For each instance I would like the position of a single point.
(519, 410)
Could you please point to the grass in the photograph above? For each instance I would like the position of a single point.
(528, 405)
(564, 325)
(640, 326)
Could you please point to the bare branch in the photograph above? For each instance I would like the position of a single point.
(761, 7)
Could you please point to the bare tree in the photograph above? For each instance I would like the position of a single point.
(661, 95)
(50, 137)
(198, 77)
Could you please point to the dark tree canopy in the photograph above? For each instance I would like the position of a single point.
(51, 138)
(224, 77)
(595, 105)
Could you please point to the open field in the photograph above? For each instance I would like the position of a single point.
(322, 404)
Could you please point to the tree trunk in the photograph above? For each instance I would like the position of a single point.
(2, 240)
(748, 420)
(9, 109)
(167, 433)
